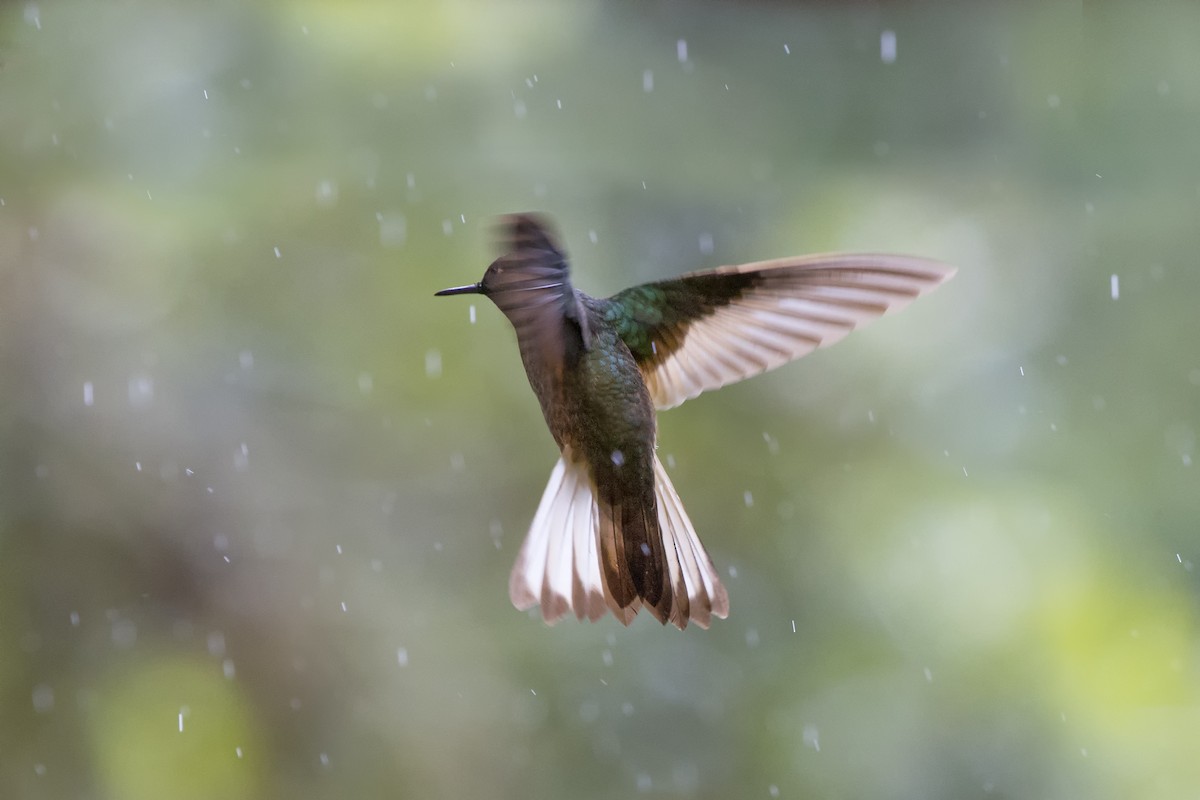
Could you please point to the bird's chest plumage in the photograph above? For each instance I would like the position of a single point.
(594, 398)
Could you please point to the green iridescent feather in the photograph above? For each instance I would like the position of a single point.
(653, 319)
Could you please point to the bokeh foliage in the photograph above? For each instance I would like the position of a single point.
(259, 492)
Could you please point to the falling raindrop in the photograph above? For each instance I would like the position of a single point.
(887, 47)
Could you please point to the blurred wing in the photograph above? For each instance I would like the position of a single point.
(517, 233)
(530, 283)
(703, 330)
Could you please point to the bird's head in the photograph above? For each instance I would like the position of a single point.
(529, 277)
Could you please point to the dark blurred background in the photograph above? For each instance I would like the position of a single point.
(260, 492)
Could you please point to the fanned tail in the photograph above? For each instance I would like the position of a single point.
(575, 559)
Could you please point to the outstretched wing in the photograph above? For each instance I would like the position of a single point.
(703, 330)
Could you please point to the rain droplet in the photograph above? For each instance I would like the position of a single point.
(241, 458)
(812, 737)
(887, 47)
(327, 194)
(393, 228)
(141, 391)
(433, 364)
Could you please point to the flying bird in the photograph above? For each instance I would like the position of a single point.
(610, 533)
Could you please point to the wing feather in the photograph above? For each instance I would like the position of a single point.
(707, 329)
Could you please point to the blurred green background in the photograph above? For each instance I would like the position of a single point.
(260, 492)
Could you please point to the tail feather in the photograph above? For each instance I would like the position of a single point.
(525, 582)
(556, 580)
(587, 593)
(578, 555)
(702, 594)
(561, 537)
(618, 584)
(645, 557)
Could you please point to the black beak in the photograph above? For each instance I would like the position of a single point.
(471, 288)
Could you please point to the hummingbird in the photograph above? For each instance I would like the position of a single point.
(610, 532)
